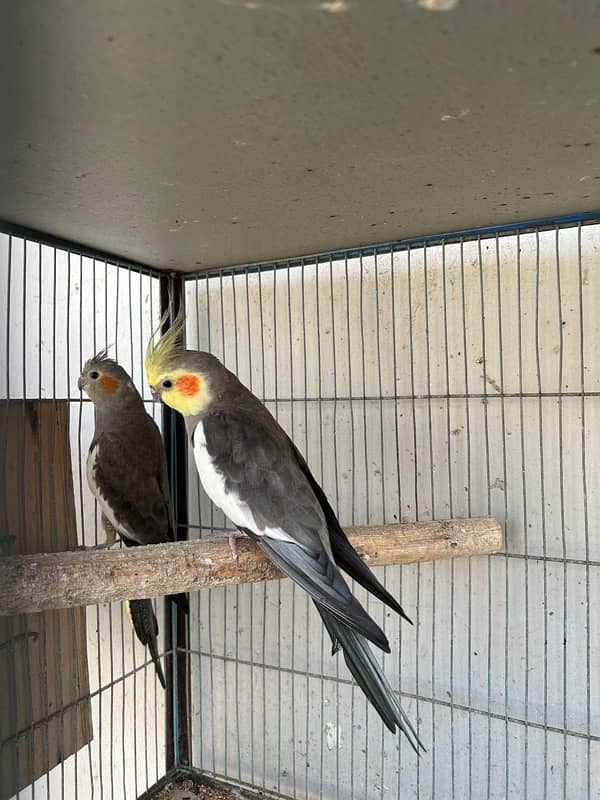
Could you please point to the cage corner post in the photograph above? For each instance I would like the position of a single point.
(172, 298)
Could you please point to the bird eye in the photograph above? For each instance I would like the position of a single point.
(94, 374)
(167, 383)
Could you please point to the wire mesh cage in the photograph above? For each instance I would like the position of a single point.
(79, 708)
(447, 377)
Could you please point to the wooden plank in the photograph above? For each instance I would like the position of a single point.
(60, 580)
(44, 693)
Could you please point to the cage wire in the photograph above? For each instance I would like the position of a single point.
(453, 376)
(58, 309)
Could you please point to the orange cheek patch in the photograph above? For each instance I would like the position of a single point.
(109, 384)
(188, 385)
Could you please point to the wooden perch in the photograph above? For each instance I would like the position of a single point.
(83, 577)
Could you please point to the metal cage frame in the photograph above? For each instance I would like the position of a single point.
(172, 296)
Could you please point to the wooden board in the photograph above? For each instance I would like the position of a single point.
(44, 693)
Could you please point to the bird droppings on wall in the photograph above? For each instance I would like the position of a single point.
(334, 6)
(438, 5)
(461, 114)
(331, 735)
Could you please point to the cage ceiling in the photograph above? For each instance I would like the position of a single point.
(189, 135)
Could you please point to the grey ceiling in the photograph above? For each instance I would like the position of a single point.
(199, 134)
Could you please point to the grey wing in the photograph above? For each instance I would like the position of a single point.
(254, 456)
(344, 554)
(125, 480)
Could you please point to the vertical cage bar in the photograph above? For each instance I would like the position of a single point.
(172, 298)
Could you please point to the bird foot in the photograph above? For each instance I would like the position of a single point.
(107, 545)
(231, 537)
(104, 546)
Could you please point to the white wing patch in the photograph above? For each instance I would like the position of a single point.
(230, 504)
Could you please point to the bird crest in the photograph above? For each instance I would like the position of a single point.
(100, 359)
(160, 353)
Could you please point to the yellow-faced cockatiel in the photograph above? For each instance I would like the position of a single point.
(251, 469)
(127, 473)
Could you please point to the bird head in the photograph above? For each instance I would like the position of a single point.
(105, 381)
(177, 376)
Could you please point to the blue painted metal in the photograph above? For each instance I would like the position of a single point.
(566, 220)
(490, 231)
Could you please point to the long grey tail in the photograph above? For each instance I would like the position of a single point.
(369, 676)
(145, 626)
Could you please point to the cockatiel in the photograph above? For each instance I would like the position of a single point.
(127, 474)
(253, 472)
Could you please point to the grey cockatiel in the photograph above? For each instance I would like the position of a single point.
(127, 473)
(251, 469)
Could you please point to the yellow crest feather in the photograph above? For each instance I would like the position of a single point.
(160, 353)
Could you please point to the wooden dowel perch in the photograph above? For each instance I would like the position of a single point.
(84, 577)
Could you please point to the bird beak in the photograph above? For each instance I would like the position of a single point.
(155, 393)
(81, 383)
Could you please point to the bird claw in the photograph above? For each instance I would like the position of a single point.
(233, 547)
(104, 546)
(111, 541)
(231, 537)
